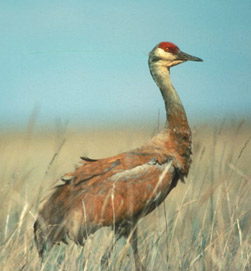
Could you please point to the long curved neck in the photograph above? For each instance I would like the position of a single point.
(175, 113)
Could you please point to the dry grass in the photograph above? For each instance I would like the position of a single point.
(203, 225)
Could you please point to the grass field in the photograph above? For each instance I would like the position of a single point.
(202, 225)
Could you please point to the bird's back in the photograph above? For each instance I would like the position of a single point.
(111, 190)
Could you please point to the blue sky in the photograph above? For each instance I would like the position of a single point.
(86, 62)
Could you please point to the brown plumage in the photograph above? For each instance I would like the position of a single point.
(119, 190)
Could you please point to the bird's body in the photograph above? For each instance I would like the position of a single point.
(119, 190)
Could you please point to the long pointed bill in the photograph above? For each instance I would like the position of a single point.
(183, 56)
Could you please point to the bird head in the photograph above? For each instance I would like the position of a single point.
(168, 54)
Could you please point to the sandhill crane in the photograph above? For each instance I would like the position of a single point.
(119, 190)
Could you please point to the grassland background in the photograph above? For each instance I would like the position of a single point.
(202, 225)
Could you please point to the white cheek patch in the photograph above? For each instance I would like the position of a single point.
(165, 55)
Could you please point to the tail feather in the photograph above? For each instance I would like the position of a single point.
(49, 227)
(47, 234)
(40, 236)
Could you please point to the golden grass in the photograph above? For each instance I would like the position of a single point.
(202, 225)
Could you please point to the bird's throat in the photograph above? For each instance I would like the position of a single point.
(175, 113)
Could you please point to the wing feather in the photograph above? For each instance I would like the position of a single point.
(107, 167)
(126, 194)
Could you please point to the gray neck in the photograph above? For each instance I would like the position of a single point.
(175, 113)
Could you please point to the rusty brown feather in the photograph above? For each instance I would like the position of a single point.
(118, 191)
